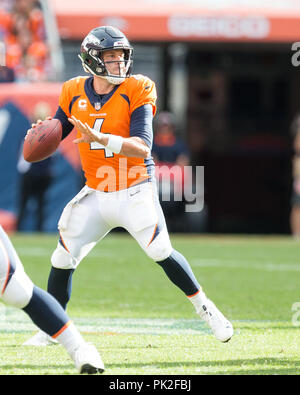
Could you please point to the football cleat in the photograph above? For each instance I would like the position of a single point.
(220, 326)
(87, 359)
(40, 339)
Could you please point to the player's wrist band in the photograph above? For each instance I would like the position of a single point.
(115, 143)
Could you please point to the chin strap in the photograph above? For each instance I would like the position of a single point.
(115, 80)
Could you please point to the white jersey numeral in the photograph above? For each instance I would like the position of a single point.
(97, 146)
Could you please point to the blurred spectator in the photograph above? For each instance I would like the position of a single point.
(35, 179)
(22, 30)
(5, 22)
(6, 74)
(170, 155)
(295, 201)
(167, 147)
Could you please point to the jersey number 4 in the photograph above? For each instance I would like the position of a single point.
(97, 146)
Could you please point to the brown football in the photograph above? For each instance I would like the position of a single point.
(42, 141)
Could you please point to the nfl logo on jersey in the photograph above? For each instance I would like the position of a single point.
(97, 106)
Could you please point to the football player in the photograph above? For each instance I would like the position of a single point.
(16, 289)
(112, 111)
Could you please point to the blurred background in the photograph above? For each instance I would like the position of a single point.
(228, 99)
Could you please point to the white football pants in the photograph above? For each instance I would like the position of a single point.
(92, 214)
(15, 286)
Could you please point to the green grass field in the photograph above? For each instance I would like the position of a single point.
(143, 325)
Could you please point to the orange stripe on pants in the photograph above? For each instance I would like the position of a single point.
(6, 280)
(152, 236)
(62, 240)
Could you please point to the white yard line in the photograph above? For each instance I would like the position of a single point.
(289, 266)
(16, 321)
(246, 264)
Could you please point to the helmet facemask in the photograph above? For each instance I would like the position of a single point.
(92, 62)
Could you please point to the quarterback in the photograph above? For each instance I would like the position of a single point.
(17, 290)
(112, 111)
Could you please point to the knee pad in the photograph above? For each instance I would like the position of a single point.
(62, 259)
(18, 291)
(161, 247)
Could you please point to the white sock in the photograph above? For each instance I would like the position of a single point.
(198, 300)
(70, 338)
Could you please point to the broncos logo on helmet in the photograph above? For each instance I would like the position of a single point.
(101, 39)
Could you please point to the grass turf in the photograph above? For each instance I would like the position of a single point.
(253, 280)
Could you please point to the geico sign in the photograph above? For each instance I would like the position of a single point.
(227, 27)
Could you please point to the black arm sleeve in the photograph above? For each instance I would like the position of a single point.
(67, 127)
(141, 124)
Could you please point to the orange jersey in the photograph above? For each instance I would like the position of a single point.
(103, 169)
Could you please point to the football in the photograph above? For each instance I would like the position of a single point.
(42, 141)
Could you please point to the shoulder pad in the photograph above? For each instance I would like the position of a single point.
(140, 80)
(75, 83)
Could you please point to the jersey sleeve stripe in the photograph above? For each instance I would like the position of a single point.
(72, 102)
(125, 97)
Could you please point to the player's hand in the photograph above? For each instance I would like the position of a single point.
(88, 134)
(38, 122)
(82, 129)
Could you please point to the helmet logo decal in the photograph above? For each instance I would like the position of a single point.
(90, 39)
(118, 43)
